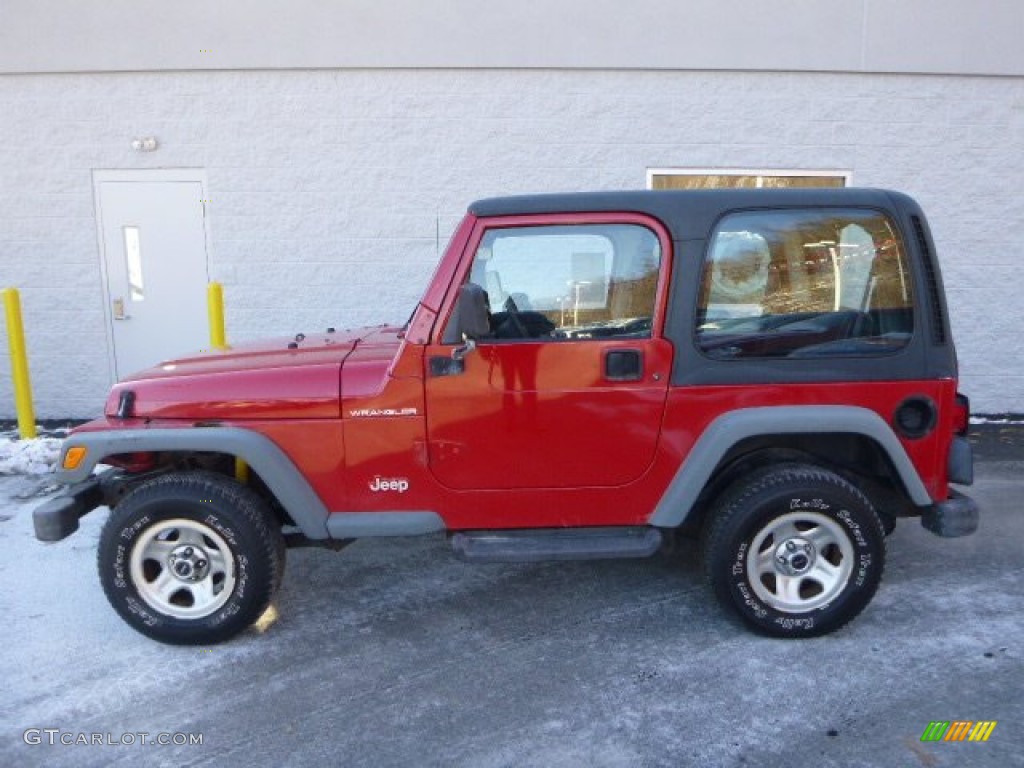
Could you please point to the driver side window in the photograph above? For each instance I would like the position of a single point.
(569, 282)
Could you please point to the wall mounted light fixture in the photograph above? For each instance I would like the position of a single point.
(147, 144)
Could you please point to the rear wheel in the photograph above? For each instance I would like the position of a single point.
(190, 558)
(795, 550)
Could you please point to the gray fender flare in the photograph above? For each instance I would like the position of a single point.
(724, 432)
(259, 452)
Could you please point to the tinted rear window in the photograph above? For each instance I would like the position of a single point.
(805, 283)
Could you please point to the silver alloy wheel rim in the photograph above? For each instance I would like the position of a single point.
(182, 568)
(805, 557)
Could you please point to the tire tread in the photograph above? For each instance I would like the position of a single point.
(732, 507)
(236, 498)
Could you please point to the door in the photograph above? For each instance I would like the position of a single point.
(567, 388)
(153, 239)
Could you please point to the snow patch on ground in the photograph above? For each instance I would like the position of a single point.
(28, 457)
(997, 420)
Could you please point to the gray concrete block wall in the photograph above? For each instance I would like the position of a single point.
(332, 191)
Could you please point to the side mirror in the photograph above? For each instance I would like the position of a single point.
(471, 317)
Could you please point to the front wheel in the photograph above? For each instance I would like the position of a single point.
(795, 550)
(190, 558)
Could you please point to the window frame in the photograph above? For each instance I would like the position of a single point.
(482, 225)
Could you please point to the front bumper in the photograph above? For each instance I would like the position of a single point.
(58, 517)
(956, 516)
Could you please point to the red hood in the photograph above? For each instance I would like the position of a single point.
(288, 377)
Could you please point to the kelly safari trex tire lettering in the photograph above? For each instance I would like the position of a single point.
(190, 558)
(795, 550)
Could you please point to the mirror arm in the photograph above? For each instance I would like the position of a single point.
(468, 345)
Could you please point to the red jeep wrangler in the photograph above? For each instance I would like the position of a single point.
(585, 376)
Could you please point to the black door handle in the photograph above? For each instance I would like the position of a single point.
(446, 366)
(624, 365)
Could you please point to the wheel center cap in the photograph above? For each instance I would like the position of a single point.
(188, 563)
(794, 556)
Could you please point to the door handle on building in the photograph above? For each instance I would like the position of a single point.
(119, 313)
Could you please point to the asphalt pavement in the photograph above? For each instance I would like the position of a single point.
(392, 653)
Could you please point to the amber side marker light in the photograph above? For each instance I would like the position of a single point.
(74, 457)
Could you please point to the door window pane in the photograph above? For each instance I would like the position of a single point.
(569, 282)
(805, 283)
(133, 259)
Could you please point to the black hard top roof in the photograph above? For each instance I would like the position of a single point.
(681, 210)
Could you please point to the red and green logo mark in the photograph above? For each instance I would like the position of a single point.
(958, 730)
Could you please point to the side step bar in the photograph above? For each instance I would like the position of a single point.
(539, 544)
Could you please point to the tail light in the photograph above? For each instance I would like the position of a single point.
(961, 414)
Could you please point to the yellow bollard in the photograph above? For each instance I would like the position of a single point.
(19, 365)
(215, 305)
(241, 471)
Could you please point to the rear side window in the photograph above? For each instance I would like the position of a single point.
(804, 284)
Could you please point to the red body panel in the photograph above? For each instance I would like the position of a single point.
(538, 415)
(250, 381)
(691, 409)
(389, 447)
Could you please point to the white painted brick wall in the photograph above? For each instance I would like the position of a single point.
(331, 189)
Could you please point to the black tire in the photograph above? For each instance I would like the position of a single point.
(220, 538)
(795, 550)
